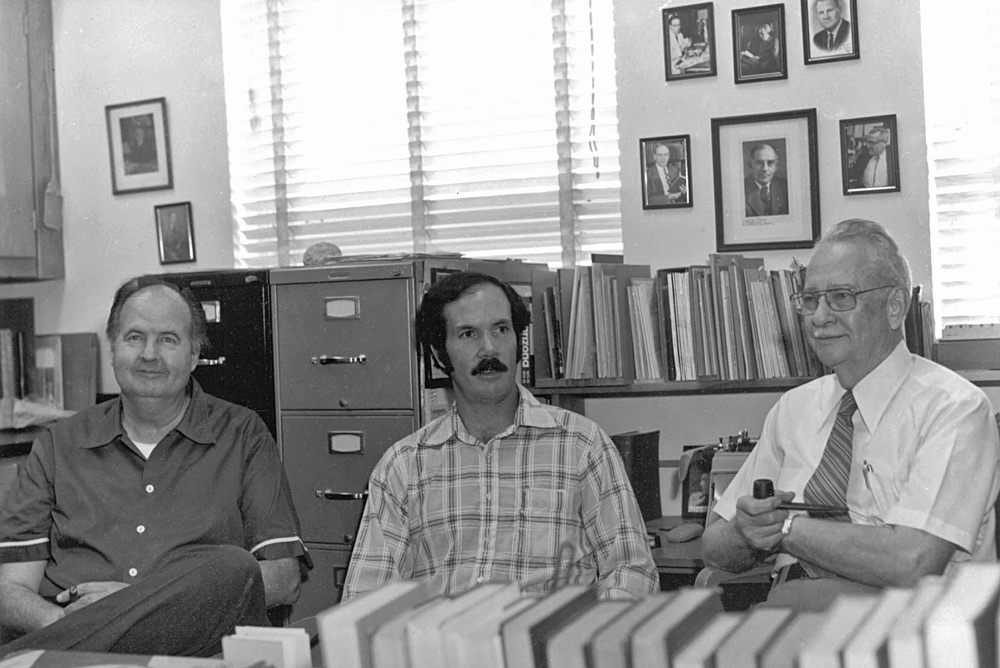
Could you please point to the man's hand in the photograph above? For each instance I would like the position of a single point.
(85, 593)
(758, 521)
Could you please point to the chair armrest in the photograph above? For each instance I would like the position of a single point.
(714, 577)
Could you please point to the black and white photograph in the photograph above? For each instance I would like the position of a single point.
(666, 169)
(829, 31)
(869, 155)
(689, 41)
(766, 175)
(139, 144)
(759, 44)
(175, 232)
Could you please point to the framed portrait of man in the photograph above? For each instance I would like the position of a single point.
(766, 175)
(759, 44)
(869, 155)
(830, 31)
(139, 143)
(689, 41)
(666, 172)
(175, 232)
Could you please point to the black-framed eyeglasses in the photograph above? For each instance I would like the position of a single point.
(838, 299)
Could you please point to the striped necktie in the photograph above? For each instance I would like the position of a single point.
(828, 484)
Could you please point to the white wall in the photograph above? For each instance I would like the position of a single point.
(113, 51)
(887, 79)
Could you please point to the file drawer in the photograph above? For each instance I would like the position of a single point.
(345, 345)
(328, 460)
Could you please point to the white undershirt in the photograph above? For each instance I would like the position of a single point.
(145, 448)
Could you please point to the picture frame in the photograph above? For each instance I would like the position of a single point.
(760, 50)
(778, 149)
(869, 155)
(174, 232)
(139, 144)
(830, 31)
(689, 41)
(666, 172)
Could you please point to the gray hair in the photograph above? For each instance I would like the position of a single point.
(889, 265)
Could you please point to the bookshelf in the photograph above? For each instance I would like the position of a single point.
(648, 313)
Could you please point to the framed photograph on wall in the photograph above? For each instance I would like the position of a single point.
(830, 30)
(666, 172)
(175, 232)
(869, 155)
(759, 44)
(689, 41)
(140, 146)
(766, 181)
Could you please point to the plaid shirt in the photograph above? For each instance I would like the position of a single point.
(447, 507)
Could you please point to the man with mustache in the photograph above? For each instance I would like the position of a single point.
(907, 448)
(153, 523)
(501, 488)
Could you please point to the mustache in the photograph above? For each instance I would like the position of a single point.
(489, 364)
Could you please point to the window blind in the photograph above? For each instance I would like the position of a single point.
(415, 126)
(962, 101)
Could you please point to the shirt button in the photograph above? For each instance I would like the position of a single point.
(132, 572)
(479, 580)
(149, 489)
(140, 529)
(488, 496)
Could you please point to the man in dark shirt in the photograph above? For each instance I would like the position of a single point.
(153, 523)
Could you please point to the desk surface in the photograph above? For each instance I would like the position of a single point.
(670, 557)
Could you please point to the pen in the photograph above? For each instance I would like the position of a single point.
(867, 470)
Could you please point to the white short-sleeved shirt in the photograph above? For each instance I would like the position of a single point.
(926, 437)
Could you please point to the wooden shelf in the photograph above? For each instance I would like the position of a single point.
(582, 388)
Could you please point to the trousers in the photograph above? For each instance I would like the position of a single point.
(184, 609)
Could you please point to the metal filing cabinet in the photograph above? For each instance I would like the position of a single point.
(350, 384)
(239, 365)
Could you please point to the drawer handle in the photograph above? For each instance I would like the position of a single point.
(330, 495)
(219, 361)
(337, 359)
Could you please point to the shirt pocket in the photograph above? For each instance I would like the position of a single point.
(543, 522)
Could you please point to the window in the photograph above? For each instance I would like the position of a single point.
(389, 127)
(962, 99)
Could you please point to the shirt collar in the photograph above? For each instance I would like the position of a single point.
(874, 392)
(530, 413)
(194, 424)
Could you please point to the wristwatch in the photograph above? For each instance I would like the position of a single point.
(786, 527)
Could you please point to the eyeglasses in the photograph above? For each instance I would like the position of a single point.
(838, 299)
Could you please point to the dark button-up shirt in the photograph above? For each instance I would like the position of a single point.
(88, 502)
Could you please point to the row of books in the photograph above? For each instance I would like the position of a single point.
(942, 622)
(729, 319)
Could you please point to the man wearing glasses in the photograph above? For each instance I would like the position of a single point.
(896, 455)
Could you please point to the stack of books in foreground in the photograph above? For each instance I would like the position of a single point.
(942, 622)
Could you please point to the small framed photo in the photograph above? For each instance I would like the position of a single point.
(666, 172)
(830, 30)
(766, 181)
(759, 46)
(140, 146)
(869, 155)
(175, 232)
(689, 41)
